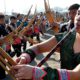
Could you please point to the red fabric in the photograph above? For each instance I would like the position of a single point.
(17, 41)
(8, 47)
(36, 29)
(34, 75)
(29, 32)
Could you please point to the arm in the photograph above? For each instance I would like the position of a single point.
(46, 73)
(32, 51)
(45, 46)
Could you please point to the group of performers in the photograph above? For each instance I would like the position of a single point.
(69, 50)
(19, 42)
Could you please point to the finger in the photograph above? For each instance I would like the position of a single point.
(17, 67)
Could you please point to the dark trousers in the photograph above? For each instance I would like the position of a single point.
(23, 42)
(2, 73)
(17, 49)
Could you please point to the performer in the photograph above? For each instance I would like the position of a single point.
(3, 33)
(17, 41)
(36, 32)
(71, 14)
(19, 20)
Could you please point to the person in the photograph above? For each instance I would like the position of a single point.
(3, 33)
(72, 10)
(69, 49)
(36, 32)
(17, 40)
(19, 21)
(70, 59)
(37, 73)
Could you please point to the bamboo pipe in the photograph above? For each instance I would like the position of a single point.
(50, 16)
(18, 29)
(6, 63)
(2, 65)
(3, 60)
(5, 55)
(25, 29)
(22, 32)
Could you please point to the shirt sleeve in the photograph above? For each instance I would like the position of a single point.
(59, 36)
(52, 74)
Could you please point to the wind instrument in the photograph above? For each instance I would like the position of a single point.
(50, 16)
(6, 62)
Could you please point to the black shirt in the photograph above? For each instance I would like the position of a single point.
(66, 26)
(3, 31)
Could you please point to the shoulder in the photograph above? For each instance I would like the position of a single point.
(64, 24)
(78, 36)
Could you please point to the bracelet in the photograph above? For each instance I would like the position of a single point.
(68, 75)
(31, 53)
(63, 74)
(38, 73)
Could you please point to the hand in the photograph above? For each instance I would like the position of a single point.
(23, 71)
(23, 59)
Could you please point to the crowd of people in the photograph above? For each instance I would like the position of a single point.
(19, 43)
(69, 50)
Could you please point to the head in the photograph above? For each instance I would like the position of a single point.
(13, 19)
(2, 19)
(19, 17)
(77, 23)
(72, 11)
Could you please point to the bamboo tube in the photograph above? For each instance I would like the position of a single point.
(22, 32)
(50, 16)
(2, 65)
(5, 55)
(31, 40)
(3, 60)
(18, 29)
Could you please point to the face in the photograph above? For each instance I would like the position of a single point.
(2, 21)
(19, 17)
(77, 23)
(13, 20)
(72, 14)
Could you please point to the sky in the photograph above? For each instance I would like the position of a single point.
(22, 6)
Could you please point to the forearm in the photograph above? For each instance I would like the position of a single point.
(40, 48)
(73, 75)
(45, 46)
(56, 74)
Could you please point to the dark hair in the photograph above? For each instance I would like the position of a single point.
(18, 15)
(74, 6)
(12, 17)
(2, 16)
